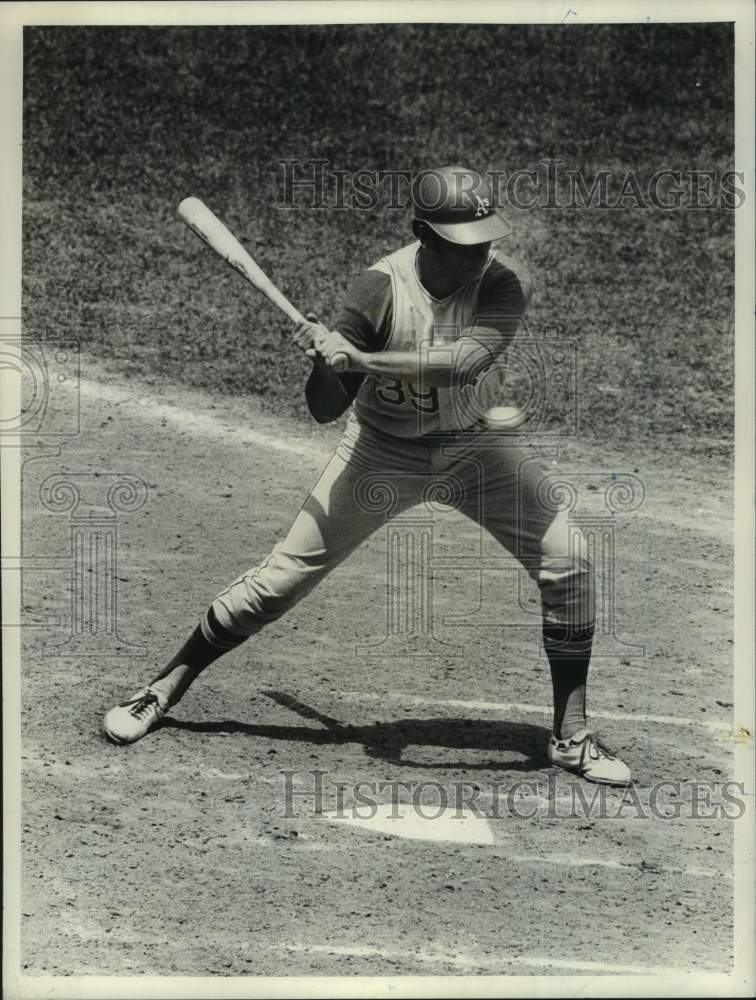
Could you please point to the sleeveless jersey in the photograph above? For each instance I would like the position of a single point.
(418, 320)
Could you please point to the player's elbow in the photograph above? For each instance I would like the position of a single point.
(325, 409)
(324, 416)
(327, 395)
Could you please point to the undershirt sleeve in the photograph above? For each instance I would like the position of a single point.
(365, 316)
(365, 319)
(504, 295)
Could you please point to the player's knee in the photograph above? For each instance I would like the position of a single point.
(246, 607)
(267, 602)
(568, 591)
(265, 593)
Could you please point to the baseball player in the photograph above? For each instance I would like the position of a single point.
(425, 332)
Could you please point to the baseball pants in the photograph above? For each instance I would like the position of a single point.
(373, 476)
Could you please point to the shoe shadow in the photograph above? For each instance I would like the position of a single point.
(388, 741)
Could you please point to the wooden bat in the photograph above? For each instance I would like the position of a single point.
(211, 230)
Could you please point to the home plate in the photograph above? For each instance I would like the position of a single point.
(402, 819)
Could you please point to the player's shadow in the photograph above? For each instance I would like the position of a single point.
(388, 741)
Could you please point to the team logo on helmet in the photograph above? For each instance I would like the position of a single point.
(483, 205)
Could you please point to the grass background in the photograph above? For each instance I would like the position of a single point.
(121, 123)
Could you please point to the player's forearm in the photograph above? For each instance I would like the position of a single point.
(407, 366)
(439, 366)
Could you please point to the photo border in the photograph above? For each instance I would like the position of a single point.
(13, 17)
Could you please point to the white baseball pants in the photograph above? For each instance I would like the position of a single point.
(372, 476)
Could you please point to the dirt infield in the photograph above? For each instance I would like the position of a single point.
(178, 855)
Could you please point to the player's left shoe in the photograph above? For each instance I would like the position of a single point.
(133, 719)
(583, 754)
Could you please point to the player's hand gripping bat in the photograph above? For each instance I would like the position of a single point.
(211, 230)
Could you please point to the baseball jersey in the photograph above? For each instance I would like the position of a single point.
(389, 309)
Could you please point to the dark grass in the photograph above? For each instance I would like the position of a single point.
(120, 124)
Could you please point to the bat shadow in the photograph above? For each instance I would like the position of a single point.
(492, 741)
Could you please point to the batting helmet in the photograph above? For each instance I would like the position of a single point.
(456, 203)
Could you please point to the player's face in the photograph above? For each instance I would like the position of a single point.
(461, 262)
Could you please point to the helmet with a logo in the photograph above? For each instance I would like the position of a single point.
(456, 204)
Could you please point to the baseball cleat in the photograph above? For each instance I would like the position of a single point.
(583, 754)
(133, 719)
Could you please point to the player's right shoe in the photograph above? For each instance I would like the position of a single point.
(133, 719)
(583, 754)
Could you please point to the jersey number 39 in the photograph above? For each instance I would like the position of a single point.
(394, 392)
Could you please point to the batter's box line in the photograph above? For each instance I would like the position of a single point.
(357, 697)
(474, 963)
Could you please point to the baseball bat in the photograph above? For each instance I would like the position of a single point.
(211, 230)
